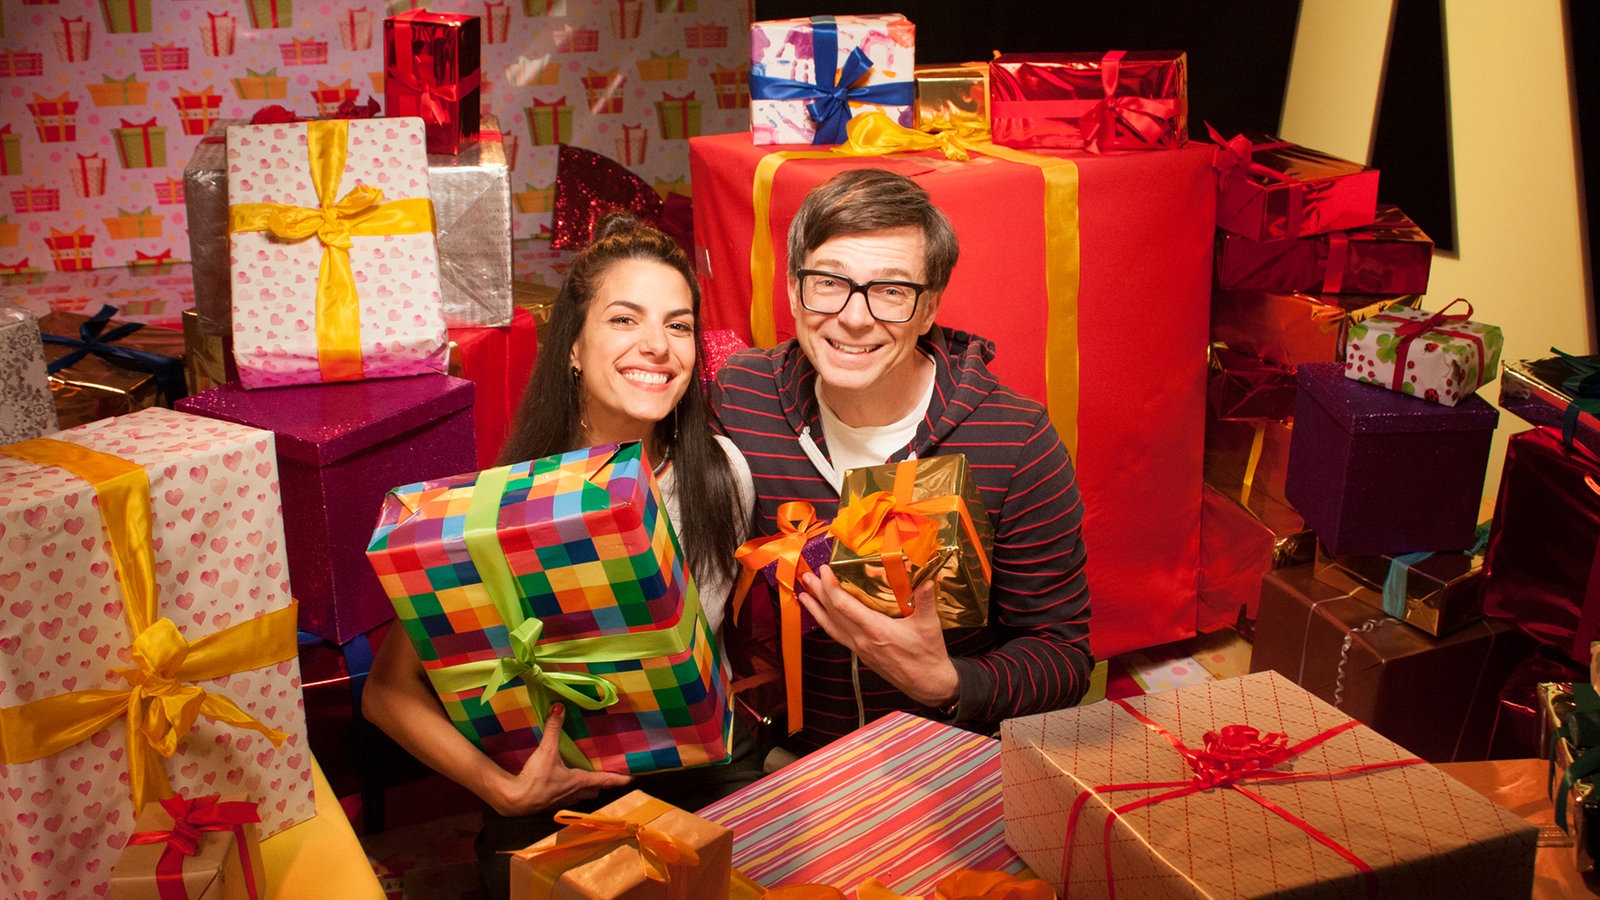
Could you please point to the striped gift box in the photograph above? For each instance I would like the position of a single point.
(574, 566)
(905, 800)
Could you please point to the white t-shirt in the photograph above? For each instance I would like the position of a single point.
(859, 446)
(714, 589)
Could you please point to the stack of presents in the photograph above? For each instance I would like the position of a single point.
(206, 529)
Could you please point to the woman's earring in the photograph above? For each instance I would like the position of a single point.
(576, 373)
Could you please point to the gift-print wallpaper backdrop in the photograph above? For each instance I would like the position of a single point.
(103, 101)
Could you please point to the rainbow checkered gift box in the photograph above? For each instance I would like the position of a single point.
(559, 579)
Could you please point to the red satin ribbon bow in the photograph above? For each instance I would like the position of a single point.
(797, 525)
(414, 69)
(1239, 154)
(190, 819)
(1410, 329)
(1231, 757)
(1146, 118)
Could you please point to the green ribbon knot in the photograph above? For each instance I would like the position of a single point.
(523, 663)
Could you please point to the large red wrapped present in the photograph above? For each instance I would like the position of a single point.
(431, 70)
(1117, 226)
(1121, 100)
(499, 362)
(1246, 787)
(1270, 190)
(1390, 256)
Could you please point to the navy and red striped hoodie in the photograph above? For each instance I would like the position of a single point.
(1034, 654)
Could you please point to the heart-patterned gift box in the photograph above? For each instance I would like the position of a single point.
(212, 578)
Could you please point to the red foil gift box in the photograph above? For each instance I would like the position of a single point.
(499, 363)
(341, 447)
(430, 66)
(1543, 566)
(1287, 328)
(1374, 471)
(1272, 190)
(1121, 100)
(1390, 256)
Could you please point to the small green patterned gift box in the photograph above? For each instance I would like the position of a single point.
(1441, 357)
(550, 123)
(141, 145)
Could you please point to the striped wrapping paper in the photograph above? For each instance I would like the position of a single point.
(905, 800)
(595, 564)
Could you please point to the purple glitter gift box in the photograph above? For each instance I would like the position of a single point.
(341, 447)
(1373, 471)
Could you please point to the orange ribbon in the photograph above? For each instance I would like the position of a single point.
(797, 525)
(591, 835)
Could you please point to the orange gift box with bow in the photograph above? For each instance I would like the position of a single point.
(634, 848)
(902, 524)
(193, 849)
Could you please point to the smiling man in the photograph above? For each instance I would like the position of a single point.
(870, 378)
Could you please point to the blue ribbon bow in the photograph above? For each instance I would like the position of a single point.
(94, 338)
(831, 94)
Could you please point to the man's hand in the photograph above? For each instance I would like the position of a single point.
(908, 652)
(545, 781)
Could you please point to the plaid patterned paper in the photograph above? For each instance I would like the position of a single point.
(596, 571)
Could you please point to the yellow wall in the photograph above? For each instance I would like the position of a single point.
(1519, 220)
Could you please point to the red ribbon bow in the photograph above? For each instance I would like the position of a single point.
(414, 69)
(190, 819)
(1232, 757)
(1146, 118)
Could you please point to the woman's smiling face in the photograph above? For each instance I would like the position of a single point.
(636, 350)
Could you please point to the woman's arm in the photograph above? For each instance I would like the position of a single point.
(398, 699)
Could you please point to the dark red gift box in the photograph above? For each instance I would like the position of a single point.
(1122, 100)
(1272, 190)
(1542, 569)
(1434, 696)
(1390, 256)
(430, 70)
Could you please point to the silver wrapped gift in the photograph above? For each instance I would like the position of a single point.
(472, 214)
(26, 408)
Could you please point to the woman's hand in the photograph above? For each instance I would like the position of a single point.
(908, 652)
(545, 782)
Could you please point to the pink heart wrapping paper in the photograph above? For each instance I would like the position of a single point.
(275, 282)
(219, 560)
(1421, 832)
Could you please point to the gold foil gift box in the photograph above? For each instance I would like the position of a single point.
(902, 524)
(952, 95)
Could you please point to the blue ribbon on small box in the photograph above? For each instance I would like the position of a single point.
(1394, 586)
(830, 96)
(94, 338)
(1584, 388)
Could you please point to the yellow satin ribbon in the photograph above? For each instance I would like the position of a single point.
(1257, 442)
(361, 213)
(591, 835)
(900, 530)
(162, 699)
(963, 884)
(875, 134)
(797, 525)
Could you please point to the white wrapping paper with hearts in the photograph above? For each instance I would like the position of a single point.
(332, 252)
(216, 546)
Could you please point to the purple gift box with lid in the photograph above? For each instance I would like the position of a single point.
(1373, 471)
(341, 447)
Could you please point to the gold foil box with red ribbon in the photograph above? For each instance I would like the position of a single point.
(200, 848)
(147, 641)
(1441, 357)
(431, 70)
(1120, 100)
(902, 524)
(334, 266)
(636, 847)
(1246, 787)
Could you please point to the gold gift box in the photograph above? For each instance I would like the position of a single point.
(952, 95)
(204, 355)
(957, 566)
(94, 388)
(1442, 591)
(616, 869)
(215, 872)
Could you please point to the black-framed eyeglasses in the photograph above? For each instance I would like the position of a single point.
(887, 300)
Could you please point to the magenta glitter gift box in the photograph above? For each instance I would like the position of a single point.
(1373, 471)
(341, 447)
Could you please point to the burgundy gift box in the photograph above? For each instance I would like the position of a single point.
(1241, 387)
(1542, 569)
(1286, 328)
(1121, 100)
(1272, 190)
(1434, 696)
(341, 447)
(1373, 471)
(1390, 256)
(430, 70)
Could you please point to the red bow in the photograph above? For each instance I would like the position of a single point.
(190, 818)
(1148, 119)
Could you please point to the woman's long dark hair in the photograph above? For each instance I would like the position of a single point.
(547, 420)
